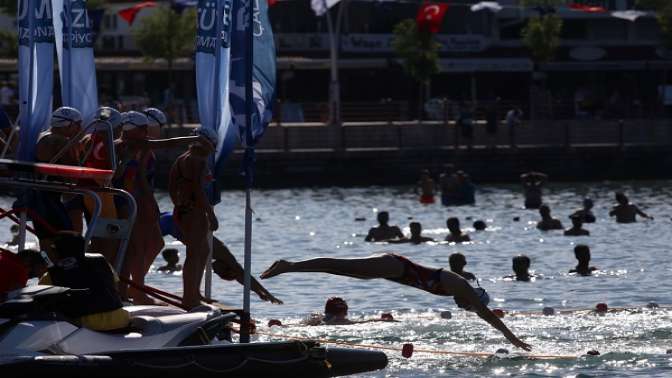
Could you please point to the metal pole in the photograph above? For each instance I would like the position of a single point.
(249, 147)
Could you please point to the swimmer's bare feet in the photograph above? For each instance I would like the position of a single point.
(278, 267)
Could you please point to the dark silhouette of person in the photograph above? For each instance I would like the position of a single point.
(582, 254)
(521, 266)
(416, 235)
(547, 222)
(172, 261)
(532, 185)
(586, 213)
(455, 235)
(624, 211)
(383, 232)
(577, 227)
(457, 262)
(479, 225)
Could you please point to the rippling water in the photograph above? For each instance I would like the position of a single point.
(634, 262)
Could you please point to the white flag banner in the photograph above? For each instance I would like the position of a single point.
(492, 6)
(630, 15)
(74, 47)
(320, 7)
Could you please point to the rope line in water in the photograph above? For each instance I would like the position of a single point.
(396, 349)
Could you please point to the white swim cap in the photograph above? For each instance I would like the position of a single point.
(155, 117)
(209, 134)
(111, 115)
(133, 119)
(65, 116)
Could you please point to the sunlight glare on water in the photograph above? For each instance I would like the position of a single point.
(634, 262)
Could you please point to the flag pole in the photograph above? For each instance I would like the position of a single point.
(248, 162)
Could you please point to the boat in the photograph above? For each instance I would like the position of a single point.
(37, 337)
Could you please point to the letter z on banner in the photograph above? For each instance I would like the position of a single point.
(74, 45)
(36, 66)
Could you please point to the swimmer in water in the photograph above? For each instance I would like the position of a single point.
(172, 261)
(521, 266)
(586, 213)
(416, 235)
(336, 313)
(457, 261)
(426, 186)
(455, 235)
(532, 184)
(384, 232)
(625, 212)
(479, 225)
(547, 222)
(396, 268)
(577, 227)
(582, 254)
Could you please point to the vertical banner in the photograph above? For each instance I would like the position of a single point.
(36, 66)
(74, 45)
(213, 65)
(264, 71)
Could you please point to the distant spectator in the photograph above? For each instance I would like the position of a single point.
(512, 122)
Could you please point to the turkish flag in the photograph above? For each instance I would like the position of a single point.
(129, 14)
(587, 8)
(430, 16)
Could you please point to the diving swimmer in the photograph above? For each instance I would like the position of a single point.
(397, 268)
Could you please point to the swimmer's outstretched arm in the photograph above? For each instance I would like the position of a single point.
(642, 214)
(465, 291)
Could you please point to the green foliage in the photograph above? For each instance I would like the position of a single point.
(663, 9)
(419, 51)
(9, 44)
(166, 34)
(541, 35)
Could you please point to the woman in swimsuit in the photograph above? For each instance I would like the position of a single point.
(399, 269)
(193, 214)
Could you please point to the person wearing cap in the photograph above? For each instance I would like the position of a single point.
(193, 214)
(65, 124)
(157, 119)
(399, 269)
(586, 213)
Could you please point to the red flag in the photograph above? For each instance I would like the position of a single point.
(129, 14)
(272, 2)
(430, 16)
(587, 8)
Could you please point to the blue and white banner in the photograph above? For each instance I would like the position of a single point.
(213, 65)
(74, 45)
(36, 67)
(264, 70)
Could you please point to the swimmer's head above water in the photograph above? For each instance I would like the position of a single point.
(336, 308)
(383, 217)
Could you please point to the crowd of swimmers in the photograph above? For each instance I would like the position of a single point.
(59, 219)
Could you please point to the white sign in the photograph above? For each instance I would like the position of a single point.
(486, 65)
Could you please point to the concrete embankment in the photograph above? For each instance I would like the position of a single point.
(387, 154)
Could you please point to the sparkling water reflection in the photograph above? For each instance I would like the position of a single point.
(634, 262)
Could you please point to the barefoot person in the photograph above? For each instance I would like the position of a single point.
(399, 269)
(193, 214)
(625, 212)
(383, 232)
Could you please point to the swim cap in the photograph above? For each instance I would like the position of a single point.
(65, 116)
(209, 134)
(111, 115)
(133, 119)
(155, 117)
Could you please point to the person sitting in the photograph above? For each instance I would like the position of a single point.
(547, 222)
(582, 254)
(586, 213)
(521, 266)
(172, 261)
(479, 225)
(625, 212)
(577, 229)
(101, 308)
(457, 261)
(383, 232)
(426, 186)
(17, 268)
(455, 235)
(532, 185)
(396, 268)
(416, 235)
(14, 230)
(224, 264)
